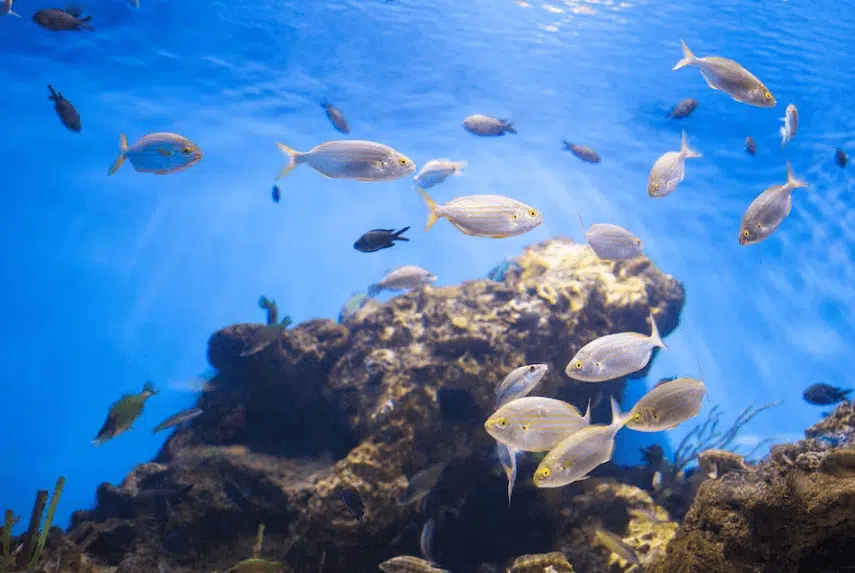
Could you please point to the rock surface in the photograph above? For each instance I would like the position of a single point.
(399, 386)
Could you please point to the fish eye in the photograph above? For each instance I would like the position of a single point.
(403, 161)
(544, 472)
(502, 422)
(746, 233)
(635, 417)
(578, 365)
(532, 368)
(532, 213)
(187, 150)
(767, 95)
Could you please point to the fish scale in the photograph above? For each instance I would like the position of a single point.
(673, 402)
(535, 424)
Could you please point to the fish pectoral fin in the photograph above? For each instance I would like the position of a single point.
(164, 152)
(708, 80)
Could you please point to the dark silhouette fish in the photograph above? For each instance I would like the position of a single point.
(59, 20)
(66, 112)
(377, 239)
(684, 109)
(336, 117)
(276, 194)
(825, 394)
(582, 152)
(353, 501)
(176, 419)
(750, 145)
(840, 158)
(123, 413)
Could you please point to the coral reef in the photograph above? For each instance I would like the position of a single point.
(369, 403)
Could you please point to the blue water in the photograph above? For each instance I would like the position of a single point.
(110, 281)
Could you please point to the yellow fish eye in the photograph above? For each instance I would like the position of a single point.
(767, 95)
(532, 213)
(636, 417)
(638, 242)
(578, 365)
(746, 233)
(187, 150)
(403, 161)
(502, 422)
(543, 472)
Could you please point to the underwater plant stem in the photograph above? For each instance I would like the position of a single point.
(259, 539)
(29, 538)
(7, 540)
(54, 501)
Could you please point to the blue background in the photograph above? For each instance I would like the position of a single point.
(113, 280)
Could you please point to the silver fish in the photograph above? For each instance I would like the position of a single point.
(768, 210)
(336, 117)
(669, 170)
(485, 125)
(6, 8)
(612, 242)
(614, 355)
(158, 153)
(667, 405)
(534, 423)
(656, 481)
(436, 171)
(179, 418)
(403, 278)
(350, 159)
(520, 382)
(420, 484)
(409, 564)
(426, 540)
(684, 109)
(508, 459)
(578, 454)
(791, 125)
(491, 216)
(729, 77)
(617, 546)
(584, 153)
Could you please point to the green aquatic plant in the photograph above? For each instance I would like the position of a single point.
(33, 541)
(273, 312)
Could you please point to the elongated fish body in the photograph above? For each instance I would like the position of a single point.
(123, 413)
(176, 419)
(256, 565)
(579, 453)
(409, 564)
(420, 484)
(534, 423)
(791, 125)
(426, 539)
(403, 278)
(487, 126)
(768, 210)
(336, 117)
(520, 382)
(684, 109)
(616, 545)
(57, 20)
(669, 170)
(613, 242)
(66, 112)
(729, 77)
(582, 152)
(158, 153)
(6, 8)
(436, 171)
(350, 159)
(490, 216)
(667, 405)
(508, 459)
(614, 355)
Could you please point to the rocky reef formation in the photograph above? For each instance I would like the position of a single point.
(371, 402)
(792, 513)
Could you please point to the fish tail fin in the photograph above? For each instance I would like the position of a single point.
(567, 145)
(587, 416)
(373, 290)
(52, 96)
(460, 166)
(398, 235)
(688, 58)
(618, 419)
(292, 159)
(149, 387)
(793, 181)
(432, 215)
(655, 338)
(508, 126)
(685, 150)
(123, 146)
(13, 14)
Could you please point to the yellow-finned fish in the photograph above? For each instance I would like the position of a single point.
(768, 210)
(491, 216)
(158, 153)
(487, 126)
(617, 546)
(436, 171)
(350, 159)
(669, 170)
(667, 405)
(535, 423)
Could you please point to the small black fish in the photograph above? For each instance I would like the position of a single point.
(840, 158)
(336, 117)
(66, 112)
(684, 109)
(653, 455)
(582, 152)
(825, 395)
(750, 145)
(58, 20)
(378, 239)
(353, 501)
(276, 194)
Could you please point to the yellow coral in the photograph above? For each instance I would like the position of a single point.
(468, 364)
(547, 293)
(460, 322)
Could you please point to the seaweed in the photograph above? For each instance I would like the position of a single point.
(259, 539)
(706, 436)
(273, 312)
(33, 541)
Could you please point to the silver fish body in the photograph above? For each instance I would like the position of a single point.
(614, 355)
(520, 382)
(403, 278)
(669, 170)
(490, 216)
(667, 405)
(350, 159)
(768, 210)
(336, 117)
(535, 423)
(508, 459)
(158, 153)
(409, 564)
(729, 77)
(613, 242)
(426, 539)
(179, 418)
(436, 171)
(487, 126)
(791, 125)
(420, 484)
(6, 8)
(616, 545)
(578, 454)
(582, 152)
